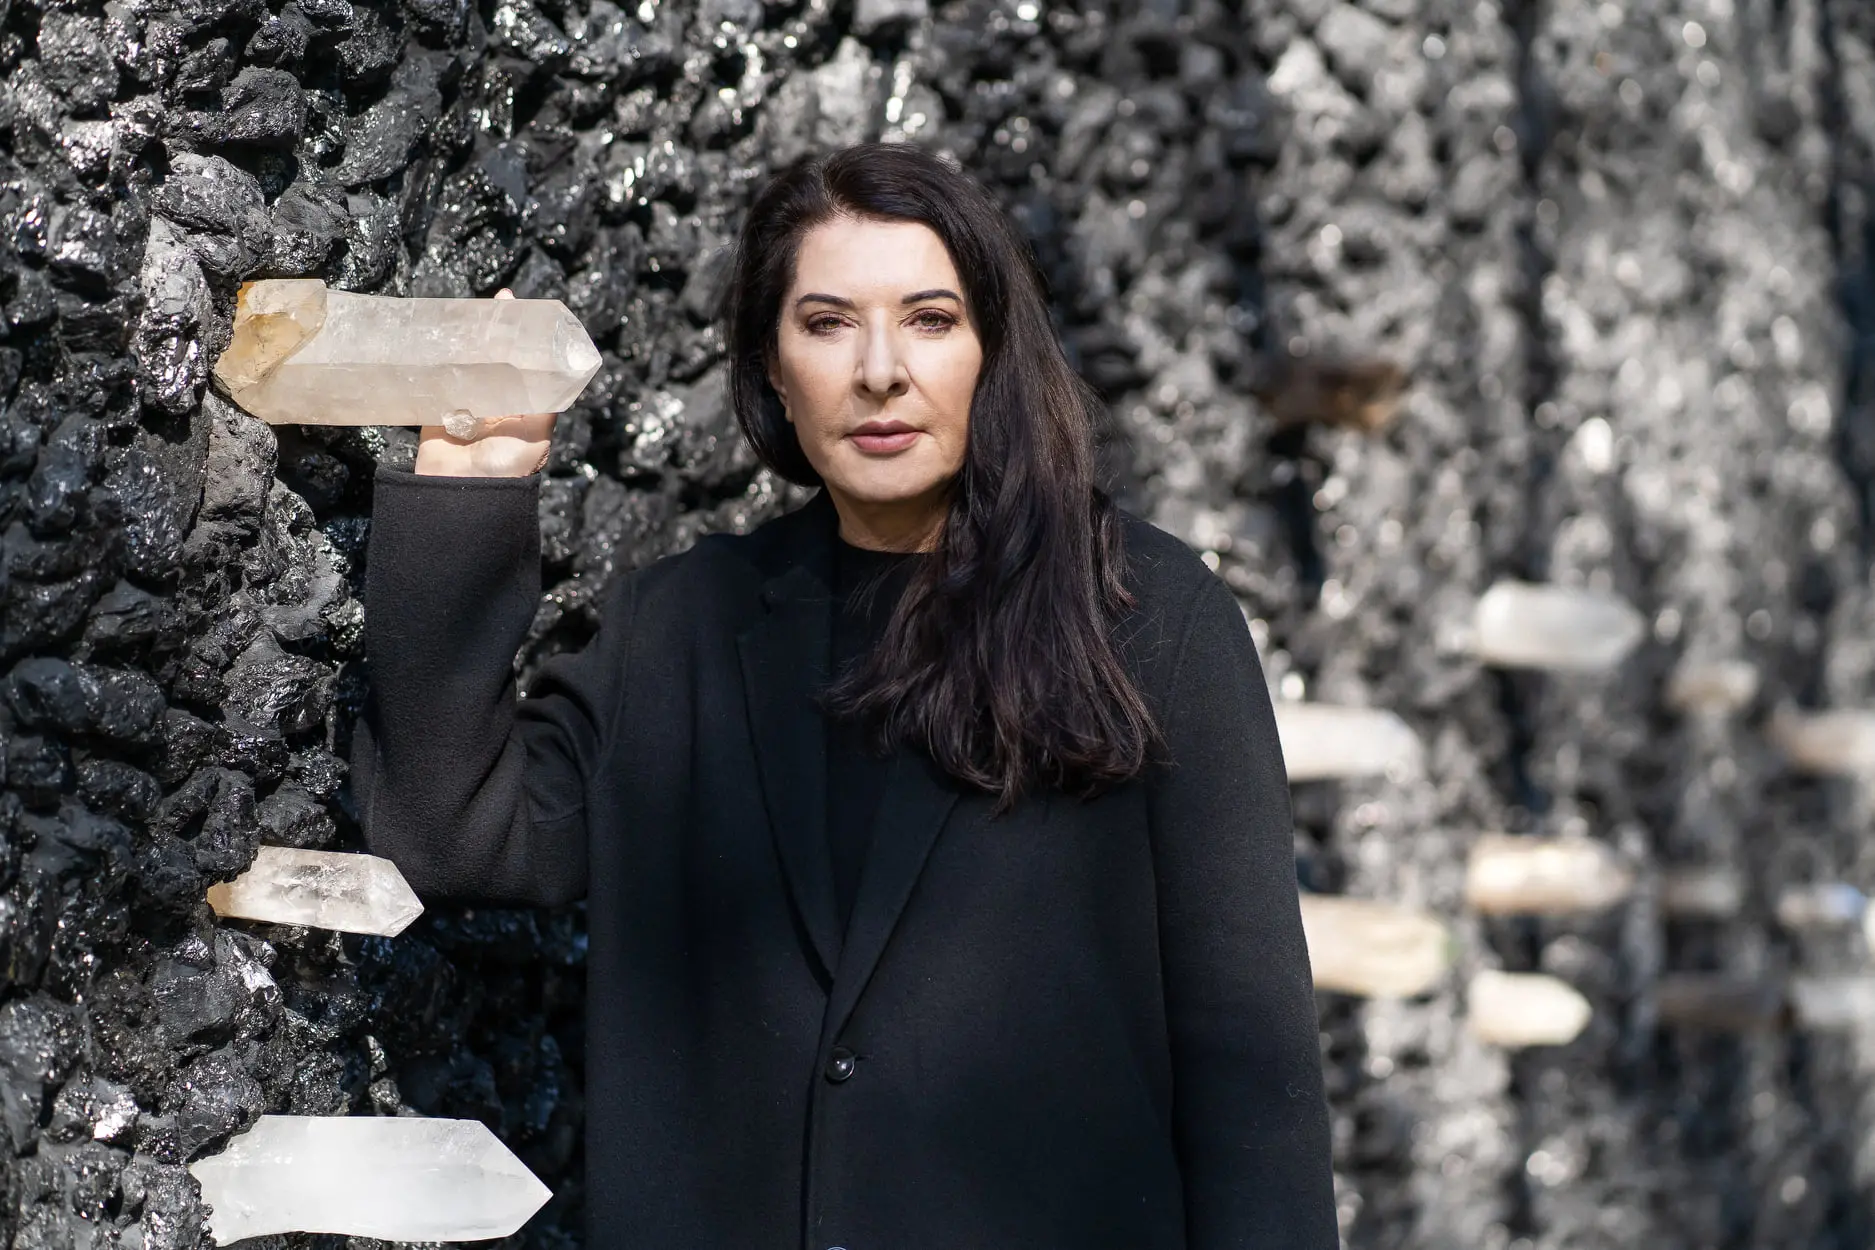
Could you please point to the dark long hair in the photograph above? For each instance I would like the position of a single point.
(999, 659)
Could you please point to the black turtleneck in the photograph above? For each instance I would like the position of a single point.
(867, 586)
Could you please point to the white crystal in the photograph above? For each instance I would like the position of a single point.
(1523, 625)
(1323, 741)
(1379, 950)
(307, 355)
(1510, 875)
(1717, 687)
(395, 1178)
(1823, 905)
(1834, 1002)
(324, 889)
(1714, 893)
(1525, 1009)
(1834, 743)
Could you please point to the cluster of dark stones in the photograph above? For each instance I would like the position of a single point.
(1236, 204)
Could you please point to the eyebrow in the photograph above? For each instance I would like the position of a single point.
(916, 297)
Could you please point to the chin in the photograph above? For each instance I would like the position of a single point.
(886, 483)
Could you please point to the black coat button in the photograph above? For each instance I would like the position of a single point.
(840, 1064)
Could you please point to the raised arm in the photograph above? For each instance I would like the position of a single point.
(473, 791)
(1250, 1117)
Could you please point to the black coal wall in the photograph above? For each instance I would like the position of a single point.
(1622, 249)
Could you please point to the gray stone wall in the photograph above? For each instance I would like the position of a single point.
(1621, 248)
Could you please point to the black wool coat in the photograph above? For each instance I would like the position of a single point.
(1084, 1025)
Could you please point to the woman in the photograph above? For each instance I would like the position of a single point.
(994, 942)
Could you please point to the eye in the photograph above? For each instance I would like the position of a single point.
(824, 323)
(933, 319)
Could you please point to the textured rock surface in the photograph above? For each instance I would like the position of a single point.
(1620, 247)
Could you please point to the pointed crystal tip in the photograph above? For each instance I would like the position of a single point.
(322, 889)
(395, 1178)
(272, 320)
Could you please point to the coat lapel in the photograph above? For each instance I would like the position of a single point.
(912, 810)
(784, 667)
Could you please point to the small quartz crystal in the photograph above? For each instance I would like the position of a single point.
(1826, 905)
(1509, 875)
(1833, 743)
(1523, 625)
(305, 354)
(1515, 1009)
(1840, 1002)
(1719, 1003)
(1843, 1002)
(322, 889)
(1713, 892)
(1321, 741)
(1377, 950)
(1719, 893)
(1361, 394)
(1715, 688)
(394, 1178)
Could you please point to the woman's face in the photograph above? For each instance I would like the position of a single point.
(876, 362)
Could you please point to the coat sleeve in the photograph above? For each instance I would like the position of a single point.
(1250, 1117)
(473, 789)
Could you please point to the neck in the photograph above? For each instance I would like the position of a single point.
(891, 525)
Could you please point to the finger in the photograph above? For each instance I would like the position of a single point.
(528, 426)
(504, 293)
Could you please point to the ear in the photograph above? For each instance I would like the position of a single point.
(774, 380)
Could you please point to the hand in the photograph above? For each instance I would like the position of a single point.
(513, 447)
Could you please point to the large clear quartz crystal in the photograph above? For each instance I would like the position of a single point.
(1523, 625)
(1321, 741)
(1515, 1009)
(395, 1178)
(1510, 875)
(304, 354)
(322, 889)
(1377, 950)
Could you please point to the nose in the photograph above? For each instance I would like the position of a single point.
(883, 372)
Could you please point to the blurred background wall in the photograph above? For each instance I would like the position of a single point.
(1390, 300)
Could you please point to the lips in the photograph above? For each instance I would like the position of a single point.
(883, 438)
